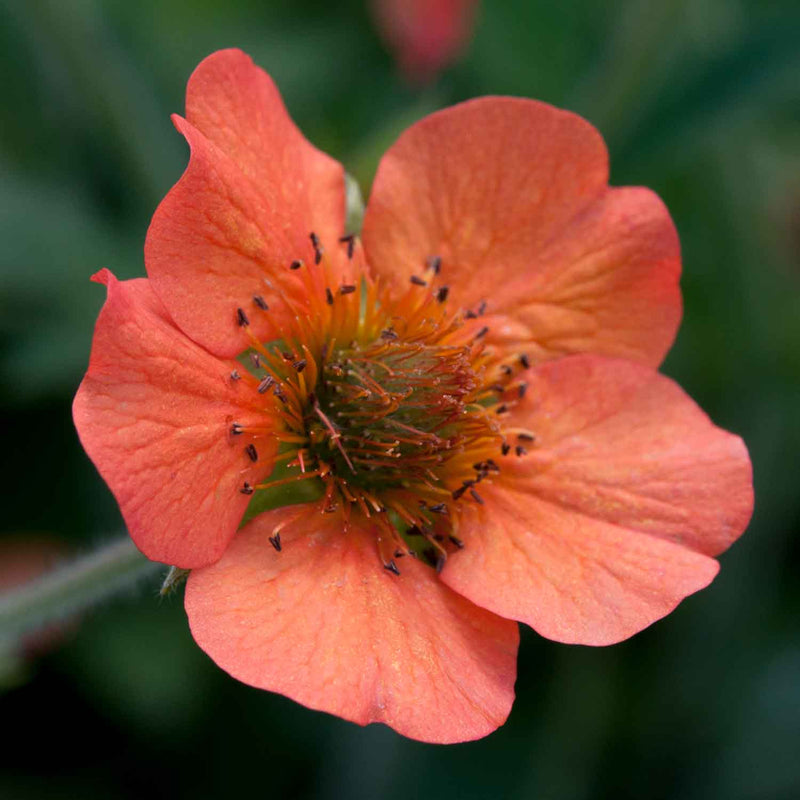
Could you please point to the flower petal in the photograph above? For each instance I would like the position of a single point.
(612, 517)
(154, 414)
(512, 194)
(242, 212)
(323, 623)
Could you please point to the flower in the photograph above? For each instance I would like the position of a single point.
(424, 35)
(471, 386)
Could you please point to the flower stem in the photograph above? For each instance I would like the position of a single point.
(73, 587)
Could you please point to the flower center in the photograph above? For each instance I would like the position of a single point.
(390, 402)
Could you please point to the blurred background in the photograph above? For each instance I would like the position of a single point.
(697, 99)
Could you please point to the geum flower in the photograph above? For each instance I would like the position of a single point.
(471, 385)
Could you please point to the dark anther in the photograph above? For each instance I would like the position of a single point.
(501, 409)
(350, 240)
(300, 365)
(246, 488)
(440, 562)
(434, 263)
(506, 369)
(456, 493)
(470, 314)
(441, 293)
(482, 308)
(316, 245)
(497, 387)
(260, 302)
(328, 296)
(482, 332)
(439, 508)
(348, 288)
(505, 449)
(456, 541)
(475, 496)
(236, 429)
(265, 384)
(525, 437)
(392, 567)
(275, 541)
(524, 360)
(438, 537)
(520, 450)
(235, 376)
(521, 389)
(279, 393)
(414, 531)
(399, 554)
(256, 359)
(287, 356)
(388, 333)
(251, 451)
(417, 281)
(241, 317)
(296, 264)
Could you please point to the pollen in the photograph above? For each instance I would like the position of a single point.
(388, 399)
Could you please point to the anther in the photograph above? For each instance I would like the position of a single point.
(434, 263)
(263, 387)
(328, 296)
(246, 488)
(279, 393)
(505, 448)
(350, 241)
(235, 376)
(456, 493)
(525, 437)
(296, 264)
(299, 365)
(241, 317)
(417, 281)
(506, 369)
(251, 451)
(470, 314)
(520, 450)
(456, 541)
(441, 293)
(521, 389)
(391, 567)
(501, 409)
(482, 332)
(236, 429)
(348, 288)
(524, 360)
(256, 359)
(388, 334)
(439, 508)
(317, 247)
(482, 308)
(440, 562)
(476, 497)
(275, 541)
(260, 302)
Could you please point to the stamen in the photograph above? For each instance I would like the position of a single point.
(524, 360)
(235, 376)
(347, 289)
(275, 541)
(252, 453)
(350, 241)
(441, 293)
(260, 302)
(241, 318)
(317, 247)
(246, 488)
(328, 296)
(263, 387)
(296, 264)
(434, 263)
(417, 281)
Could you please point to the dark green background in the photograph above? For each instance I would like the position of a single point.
(698, 99)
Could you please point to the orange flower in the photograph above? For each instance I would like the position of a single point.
(424, 35)
(473, 391)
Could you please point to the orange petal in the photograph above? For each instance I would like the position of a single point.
(512, 194)
(612, 517)
(154, 414)
(242, 212)
(323, 623)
